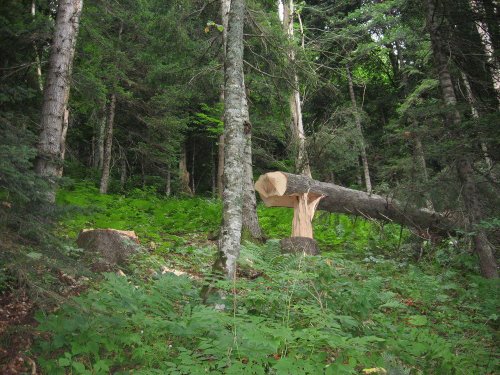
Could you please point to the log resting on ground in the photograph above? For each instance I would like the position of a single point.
(279, 189)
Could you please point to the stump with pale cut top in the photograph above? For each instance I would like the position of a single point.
(275, 190)
(108, 247)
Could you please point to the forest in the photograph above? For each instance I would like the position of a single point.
(249, 187)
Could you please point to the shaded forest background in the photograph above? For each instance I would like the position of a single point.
(145, 109)
(398, 98)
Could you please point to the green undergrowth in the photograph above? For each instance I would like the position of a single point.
(312, 315)
(166, 225)
(353, 310)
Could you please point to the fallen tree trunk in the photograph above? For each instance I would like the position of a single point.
(279, 189)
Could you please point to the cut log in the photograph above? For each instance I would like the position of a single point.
(280, 189)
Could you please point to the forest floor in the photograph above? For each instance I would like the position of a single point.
(376, 300)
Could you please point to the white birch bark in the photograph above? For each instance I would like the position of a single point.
(234, 118)
(56, 93)
(286, 10)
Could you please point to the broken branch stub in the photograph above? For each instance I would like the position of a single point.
(273, 188)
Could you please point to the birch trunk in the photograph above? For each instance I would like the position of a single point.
(470, 193)
(234, 118)
(108, 147)
(250, 220)
(225, 6)
(362, 147)
(297, 126)
(56, 93)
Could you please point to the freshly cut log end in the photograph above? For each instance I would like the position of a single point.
(273, 189)
(299, 245)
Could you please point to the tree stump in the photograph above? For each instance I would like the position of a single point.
(299, 245)
(108, 247)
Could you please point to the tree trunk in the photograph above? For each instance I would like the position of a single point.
(225, 6)
(37, 55)
(285, 187)
(475, 114)
(489, 49)
(297, 126)
(250, 223)
(220, 166)
(108, 146)
(470, 192)
(420, 158)
(168, 184)
(362, 147)
(234, 118)
(100, 138)
(193, 186)
(183, 172)
(123, 174)
(56, 94)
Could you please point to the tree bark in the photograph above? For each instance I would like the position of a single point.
(225, 6)
(250, 225)
(220, 166)
(297, 126)
(123, 174)
(285, 188)
(183, 172)
(168, 188)
(108, 147)
(420, 158)
(475, 114)
(234, 118)
(100, 138)
(56, 93)
(362, 146)
(37, 55)
(489, 49)
(470, 193)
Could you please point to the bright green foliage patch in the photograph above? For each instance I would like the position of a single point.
(346, 311)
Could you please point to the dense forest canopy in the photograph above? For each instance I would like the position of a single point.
(383, 109)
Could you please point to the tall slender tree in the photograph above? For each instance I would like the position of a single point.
(361, 141)
(471, 199)
(108, 142)
(286, 9)
(234, 120)
(54, 118)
